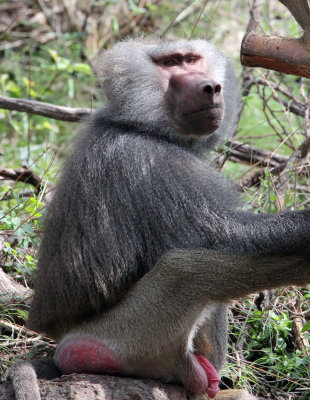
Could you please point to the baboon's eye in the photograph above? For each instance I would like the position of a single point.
(171, 62)
(191, 60)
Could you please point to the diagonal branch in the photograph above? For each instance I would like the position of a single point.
(290, 56)
(45, 109)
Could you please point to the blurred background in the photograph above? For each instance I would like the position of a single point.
(47, 52)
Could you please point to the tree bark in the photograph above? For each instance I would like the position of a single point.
(290, 56)
(45, 109)
(13, 292)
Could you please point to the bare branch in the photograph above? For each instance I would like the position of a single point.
(13, 292)
(290, 56)
(27, 176)
(45, 109)
(301, 12)
(252, 155)
(24, 175)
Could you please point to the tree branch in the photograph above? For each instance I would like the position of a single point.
(13, 292)
(45, 109)
(252, 155)
(28, 176)
(22, 175)
(290, 56)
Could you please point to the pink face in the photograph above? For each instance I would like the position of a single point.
(193, 98)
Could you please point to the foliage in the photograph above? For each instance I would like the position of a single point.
(271, 354)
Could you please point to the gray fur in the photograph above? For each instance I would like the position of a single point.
(179, 292)
(24, 375)
(144, 244)
(116, 176)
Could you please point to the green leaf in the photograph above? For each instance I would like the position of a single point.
(82, 67)
(13, 89)
(306, 327)
(27, 228)
(15, 222)
(53, 54)
(23, 314)
(115, 26)
(63, 64)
